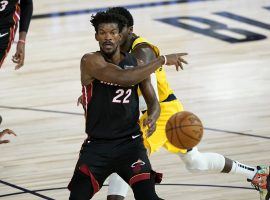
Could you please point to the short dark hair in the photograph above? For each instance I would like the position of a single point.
(123, 12)
(104, 17)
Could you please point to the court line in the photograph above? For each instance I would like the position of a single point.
(25, 190)
(40, 110)
(81, 114)
(163, 184)
(129, 6)
(237, 133)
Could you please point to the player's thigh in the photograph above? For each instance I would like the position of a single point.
(133, 164)
(92, 168)
(158, 138)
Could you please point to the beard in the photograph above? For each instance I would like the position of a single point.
(109, 54)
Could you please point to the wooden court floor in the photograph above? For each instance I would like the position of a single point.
(227, 84)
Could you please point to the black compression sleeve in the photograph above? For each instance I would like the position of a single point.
(26, 14)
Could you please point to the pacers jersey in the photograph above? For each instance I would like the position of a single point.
(164, 89)
(9, 13)
(112, 111)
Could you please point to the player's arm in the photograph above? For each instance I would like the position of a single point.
(93, 66)
(153, 108)
(25, 18)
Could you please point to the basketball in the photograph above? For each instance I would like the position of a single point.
(184, 130)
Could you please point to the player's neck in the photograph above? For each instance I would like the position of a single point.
(114, 58)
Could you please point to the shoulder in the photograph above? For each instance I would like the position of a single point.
(91, 57)
(144, 47)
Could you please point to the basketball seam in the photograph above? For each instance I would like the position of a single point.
(182, 126)
(177, 135)
(188, 135)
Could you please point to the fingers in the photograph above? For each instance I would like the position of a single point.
(7, 131)
(4, 141)
(180, 62)
(151, 126)
(182, 54)
(20, 61)
(79, 101)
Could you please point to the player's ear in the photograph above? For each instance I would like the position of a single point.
(96, 36)
(120, 36)
(130, 29)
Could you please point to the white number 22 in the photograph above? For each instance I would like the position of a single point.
(3, 5)
(120, 93)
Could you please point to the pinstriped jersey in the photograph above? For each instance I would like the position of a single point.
(112, 111)
(9, 13)
(164, 89)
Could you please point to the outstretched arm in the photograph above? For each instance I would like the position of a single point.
(93, 66)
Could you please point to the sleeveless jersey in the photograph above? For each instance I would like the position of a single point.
(164, 89)
(112, 111)
(9, 13)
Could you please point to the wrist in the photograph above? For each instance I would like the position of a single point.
(165, 59)
(21, 41)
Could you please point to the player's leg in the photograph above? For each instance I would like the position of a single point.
(196, 161)
(118, 188)
(134, 167)
(88, 178)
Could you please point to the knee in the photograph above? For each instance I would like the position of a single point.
(194, 161)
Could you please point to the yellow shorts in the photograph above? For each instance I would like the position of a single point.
(158, 139)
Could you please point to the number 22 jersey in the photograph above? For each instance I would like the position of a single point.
(112, 111)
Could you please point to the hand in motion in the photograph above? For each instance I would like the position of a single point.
(175, 59)
(80, 100)
(151, 125)
(18, 57)
(4, 132)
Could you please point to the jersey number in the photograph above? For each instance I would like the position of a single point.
(122, 96)
(3, 5)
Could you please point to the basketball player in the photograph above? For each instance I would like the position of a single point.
(110, 80)
(11, 11)
(194, 160)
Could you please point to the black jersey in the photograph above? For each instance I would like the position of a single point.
(112, 111)
(9, 13)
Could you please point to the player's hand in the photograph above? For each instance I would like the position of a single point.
(80, 100)
(18, 57)
(151, 125)
(176, 60)
(4, 132)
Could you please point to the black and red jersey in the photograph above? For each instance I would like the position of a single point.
(112, 111)
(9, 13)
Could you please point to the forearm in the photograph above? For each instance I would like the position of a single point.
(26, 14)
(153, 109)
(135, 75)
(22, 35)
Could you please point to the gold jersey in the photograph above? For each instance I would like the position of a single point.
(164, 89)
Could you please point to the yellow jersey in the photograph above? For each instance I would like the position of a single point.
(164, 89)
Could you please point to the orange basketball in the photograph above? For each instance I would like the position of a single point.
(184, 130)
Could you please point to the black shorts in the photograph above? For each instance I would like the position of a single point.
(98, 159)
(6, 39)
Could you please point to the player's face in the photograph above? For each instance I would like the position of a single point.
(125, 33)
(108, 37)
